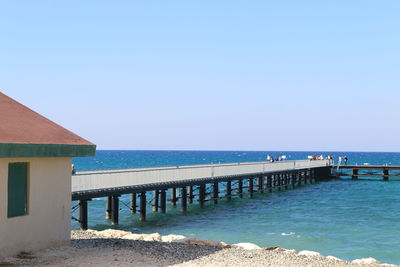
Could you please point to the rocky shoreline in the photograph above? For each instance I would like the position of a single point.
(121, 248)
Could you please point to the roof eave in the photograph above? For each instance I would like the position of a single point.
(17, 150)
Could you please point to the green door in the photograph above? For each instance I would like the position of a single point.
(17, 189)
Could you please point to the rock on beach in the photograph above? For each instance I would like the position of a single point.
(172, 238)
(333, 258)
(309, 253)
(111, 233)
(246, 246)
(365, 261)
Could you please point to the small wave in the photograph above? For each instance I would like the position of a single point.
(291, 233)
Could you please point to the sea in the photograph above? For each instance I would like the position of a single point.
(343, 218)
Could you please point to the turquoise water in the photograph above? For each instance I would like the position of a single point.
(343, 218)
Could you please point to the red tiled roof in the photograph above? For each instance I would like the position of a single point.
(21, 125)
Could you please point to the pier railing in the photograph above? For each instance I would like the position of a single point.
(105, 179)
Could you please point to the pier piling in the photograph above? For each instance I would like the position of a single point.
(286, 179)
(191, 194)
(202, 194)
(251, 187)
(260, 184)
(355, 174)
(173, 196)
(293, 179)
(269, 183)
(115, 210)
(229, 190)
(240, 188)
(143, 206)
(386, 175)
(184, 199)
(163, 201)
(133, 203)
(279, 181)
(108, 208)
(274, 181)
(215, 192)
(83, 214)
(155, 201)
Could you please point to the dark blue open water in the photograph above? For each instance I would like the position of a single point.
(346, 219)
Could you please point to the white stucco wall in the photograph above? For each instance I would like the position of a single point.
(49, 204)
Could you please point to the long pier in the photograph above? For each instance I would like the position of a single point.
(363, 171)
(188, 183)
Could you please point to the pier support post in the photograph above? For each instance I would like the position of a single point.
(184, 199)
(274, 181)
(143, 206)
(229, 190)
(191, 194)
(133, 203)
(202, 194)
(279, 181)
(269, 183)
(115, 210)
(286, 180)
(163, 200)
(215, 192)
(240, 188)
(156, 200)
(385, 174)
(251, 187)
(298, 176)
(293, 176)
(355, 174)
(260, 184)
(108, 208)
(83, 214)
(173, 196)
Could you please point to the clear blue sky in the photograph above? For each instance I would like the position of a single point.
(231, 75)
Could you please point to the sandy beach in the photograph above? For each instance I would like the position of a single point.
(120, 248)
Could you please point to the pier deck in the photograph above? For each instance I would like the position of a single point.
(356, 171)
(91, 184)
(193, 182)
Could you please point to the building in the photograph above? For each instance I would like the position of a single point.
(35, 179)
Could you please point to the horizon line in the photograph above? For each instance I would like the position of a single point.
(230, 150)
